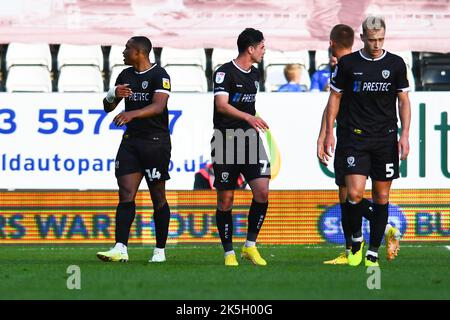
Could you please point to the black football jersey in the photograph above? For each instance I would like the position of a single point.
(369, 90)
(144, 85)
(241, 87)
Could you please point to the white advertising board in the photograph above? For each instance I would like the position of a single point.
(66, 141)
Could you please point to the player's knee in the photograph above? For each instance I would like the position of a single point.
(158, 199)
(126, 195)
(261, 196)
(380, 197)
(354, 196)
(225, 203)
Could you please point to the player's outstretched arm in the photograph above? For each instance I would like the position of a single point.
(332, 110)
(404, 110)
(227, 109)
(115, 95)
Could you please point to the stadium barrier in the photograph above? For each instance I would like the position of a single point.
(66, 141)
(294, 217)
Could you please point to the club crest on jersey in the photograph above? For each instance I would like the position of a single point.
(166, 83)
(220, 76)
(225, 176)
(385, 74)
(257, 85)
(351, 162)
(144, 85)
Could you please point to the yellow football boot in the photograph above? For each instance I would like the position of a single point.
(113, 255)
(252, 254)
(341, 259)
(231, 261)
(355, 259)
(392, 240)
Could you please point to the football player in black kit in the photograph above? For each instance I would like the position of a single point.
(236, 145)
(145, 148)
(369, 82)
(341, 42)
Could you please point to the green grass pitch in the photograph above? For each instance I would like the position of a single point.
(421, 271)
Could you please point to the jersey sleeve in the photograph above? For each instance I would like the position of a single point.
(338, 76)
(222, 82)
(401, 81)
(161, 82)
(120, 78)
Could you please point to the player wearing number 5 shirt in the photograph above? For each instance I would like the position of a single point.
(369, 82)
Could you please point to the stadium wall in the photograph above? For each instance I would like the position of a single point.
(66, 141)
(294, 217)
(57, 172)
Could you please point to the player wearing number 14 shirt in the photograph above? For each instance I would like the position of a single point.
(145, 148)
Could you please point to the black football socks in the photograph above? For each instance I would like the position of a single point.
(346, 225)
(378, 226)
(125, 214)
(355, 218)
(161, 217)
(256, 217)
(367, 209)
(224, 222)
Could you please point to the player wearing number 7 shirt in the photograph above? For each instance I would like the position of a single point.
(237, 147)
(145, 148)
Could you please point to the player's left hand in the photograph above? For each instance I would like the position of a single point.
(403, 147)
(123, 118)
(321, 155)
(329, 145)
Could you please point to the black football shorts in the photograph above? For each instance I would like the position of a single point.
(376, 157)
(148, 155)
(249, 158)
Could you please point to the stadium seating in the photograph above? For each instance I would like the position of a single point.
(187, 78)
(115, 71)
(435, 71)
(436, 77)
(80, 79)
(171, 56)
(274, 63)
(221, 56)
(285, 57)
(80, 55)
(321, 59)
(28, 54)
(28, 79)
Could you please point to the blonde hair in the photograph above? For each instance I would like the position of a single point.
(290, 71)
(373, 23)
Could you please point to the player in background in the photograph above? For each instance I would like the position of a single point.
(145, 147)
(236, 145)
(369, 82)
(341, 43)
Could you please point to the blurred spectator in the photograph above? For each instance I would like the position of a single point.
(292, 73)
(320, 80)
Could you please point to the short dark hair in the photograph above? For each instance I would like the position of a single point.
(343, 36)
(142, 43)
(249, 37)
